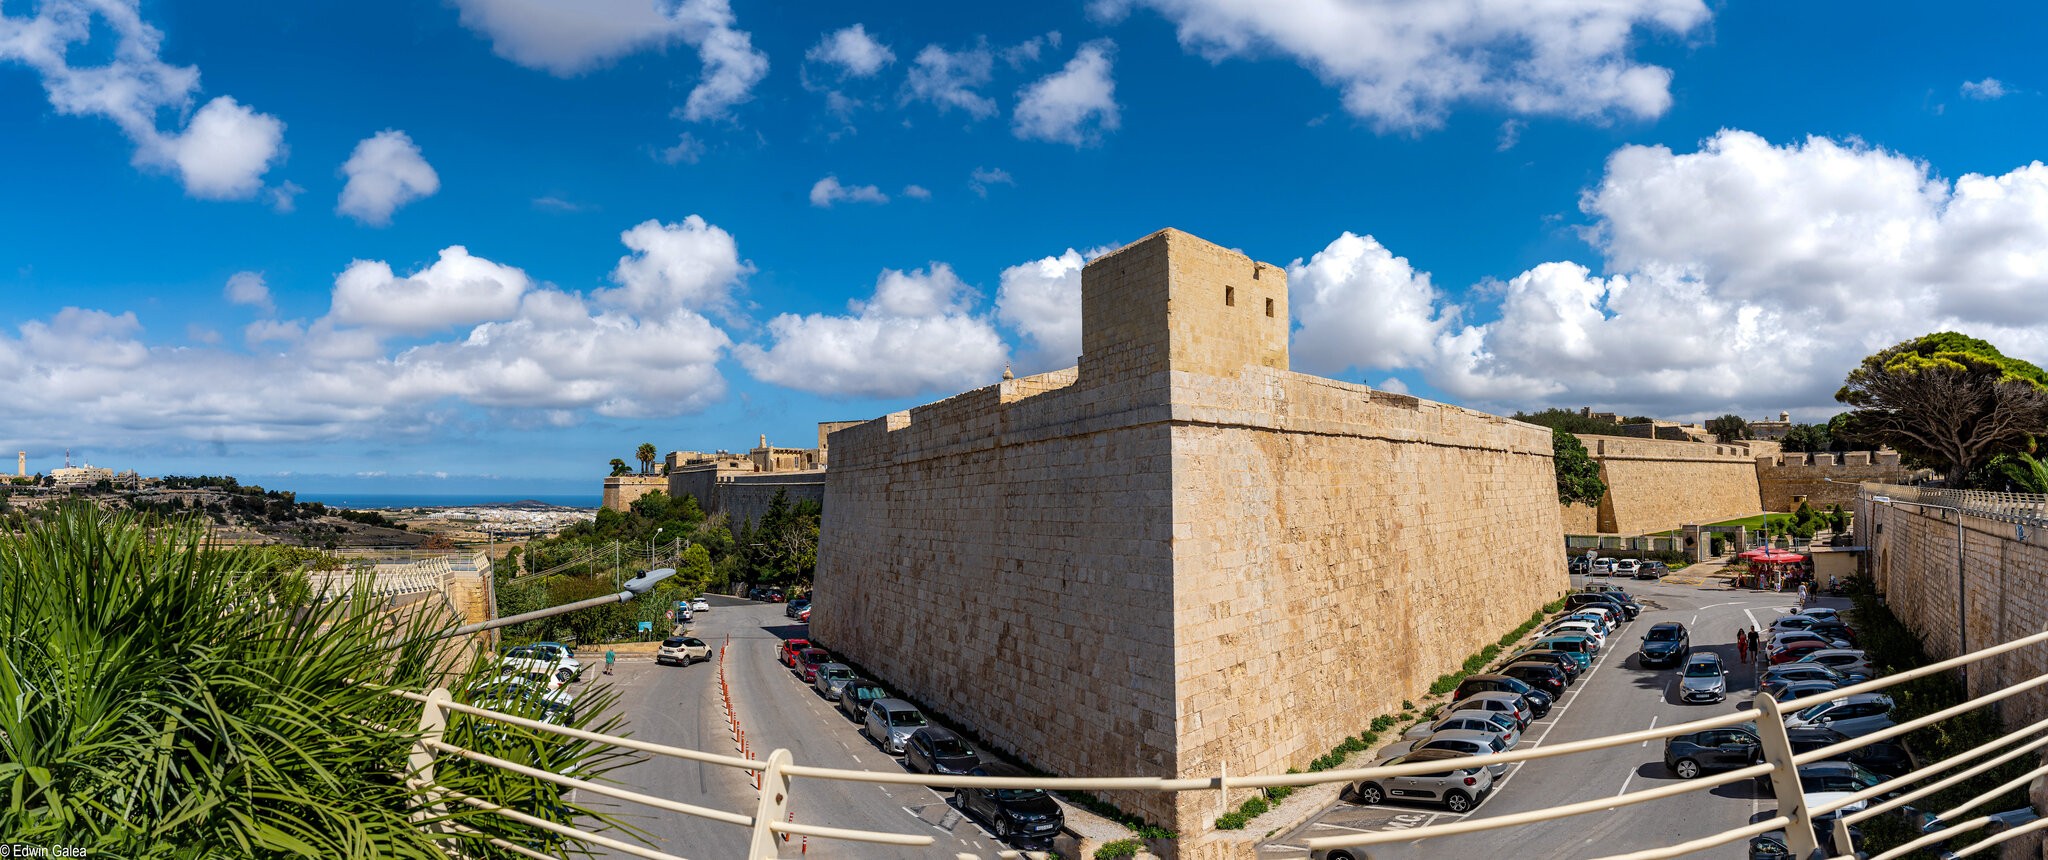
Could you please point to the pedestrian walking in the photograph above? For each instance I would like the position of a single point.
(1802, 595)
(609, 658)
(1741, 647)
(1754, 642)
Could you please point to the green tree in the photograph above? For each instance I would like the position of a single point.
(2025, 473)
(646, 453)
(1947, 399)
(619, 467)
(204, 703)
(1578, 475)
(1808, 438)
(1728, 428)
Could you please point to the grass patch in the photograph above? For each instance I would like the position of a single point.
(1119, 848)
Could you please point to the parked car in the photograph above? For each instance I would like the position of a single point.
(1702, 679)
(1019, 813)
(1854, 716)
(1627, 567)
(541, 658)
(1772, 845)
(1539, 701)
(1792, 651)
(1619, 595)
(1794, 690)
(790, 609)
(832, 678)
(1458, 790)
(1604, 620)
(1784, 673)
(521, 699)
(1545, 677)
(539, 679)
(1788, 637)
(1567, 662)
(803, 616)
(700, 605)
(890, 723)
(1471, 720)
(1579, 564)
(1579, 645)
(1653, 570)
(1824, 613)
(682, 650)
(1690, 755)
(1603, 566)
(1825, 781)
(1847, 662)
(1585, 598)
(790, 648)
(808, 661)
(1479, 744)
(1884, 758)
(1834, 630)
(1665, 644)
(935, 749)
(1792, 622)
(1510, 704)
(563, 654)
(856, 695)
(1588, 629)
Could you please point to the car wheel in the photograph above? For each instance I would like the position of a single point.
(1686, 769)
(1456, 801)
(1371, 795)
(1002, 828)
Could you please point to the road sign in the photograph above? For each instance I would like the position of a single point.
(646, 626)
(671, 615)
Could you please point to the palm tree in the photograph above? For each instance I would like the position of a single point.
(619, 467)
(163, 698)
(647, 453)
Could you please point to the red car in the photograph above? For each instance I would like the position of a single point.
(790, 648)
(1795, 650)
(808, 661)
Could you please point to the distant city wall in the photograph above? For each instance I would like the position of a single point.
(2003, 576)
(1656, 485)
(1823, 479)
(621, 490)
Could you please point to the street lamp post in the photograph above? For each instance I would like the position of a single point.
(650, 545)
(1962, 617)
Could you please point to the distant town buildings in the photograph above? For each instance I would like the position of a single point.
(739, 485)
(1771, 431)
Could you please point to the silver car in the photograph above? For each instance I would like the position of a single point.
(1848, 662)
(1469, 720)
(1854, 716)
(890, 722)
(1469, 744)
(1702, 679)
(1511, 704)
(1459, 790)
(832, 678)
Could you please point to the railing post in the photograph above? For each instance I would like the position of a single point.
(774, 806)
(1777, 749)
(420, 764)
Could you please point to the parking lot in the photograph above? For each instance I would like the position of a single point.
(1615, 696)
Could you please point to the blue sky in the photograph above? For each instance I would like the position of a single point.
(491, 244)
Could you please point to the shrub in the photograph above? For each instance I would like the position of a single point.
(1232, 821)
(1119, 848)
(1384, 721)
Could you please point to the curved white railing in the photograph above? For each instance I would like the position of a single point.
(770, 821)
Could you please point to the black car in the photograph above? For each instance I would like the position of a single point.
(793, 607)
(1611, 601)
(1021, 813)
(1555, 658)
(1829, 776)
(1580, 564)
(1833, 630)
(1884, 758)
(1772, 845)
(1539, 701)
(855, 696)
(1688, 756)
(1666, 644)
(934, 749)
(1545, 677)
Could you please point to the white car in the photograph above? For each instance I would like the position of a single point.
(1581, 628)
(539, 679)
(682, 650)
(700, 605)
(543, 657)
(1627, 567)
(1603, 565)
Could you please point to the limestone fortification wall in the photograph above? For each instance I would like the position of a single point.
(1823, 479)
(1579, 519)
(748, 497)
(1180, 556)
(620, 491)
(1912, 560)
(1655, 485)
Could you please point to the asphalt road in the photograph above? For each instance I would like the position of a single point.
(681, 706)
(1618, 696)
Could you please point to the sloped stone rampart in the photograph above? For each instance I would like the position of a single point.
(1656, 485)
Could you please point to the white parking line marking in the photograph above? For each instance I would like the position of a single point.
(1653, 724)
(1339, 827)
(1624, 784)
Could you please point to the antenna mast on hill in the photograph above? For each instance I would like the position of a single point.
(67, 458)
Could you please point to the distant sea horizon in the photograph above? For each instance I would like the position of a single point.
(446, 500)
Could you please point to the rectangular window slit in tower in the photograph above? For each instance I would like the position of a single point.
(1230, 297)
(1269, 307)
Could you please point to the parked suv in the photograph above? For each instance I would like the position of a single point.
(855, 697)
(890, 723)
(1690, 755)
(1013, 813)
(1653, 570)
(1512, 705)
(1703, 679)
(1854, 716)
(1539, 701)
(1665, 645)
(682, 650)
(1457, 790)
(934, 749)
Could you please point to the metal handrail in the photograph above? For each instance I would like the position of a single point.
(1795, 818)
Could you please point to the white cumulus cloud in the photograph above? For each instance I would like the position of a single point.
(248, 288)
(828, 191)
(225, 147)
(852, 50)
(948, 80)
(1984, 90)
(1361, 306)
(1041, 299)
(457, 290)
(1402, 65)
(1076, 104)
(984, 178)
(565, 38)
(916, 335)
(691, 264)
(386, 171)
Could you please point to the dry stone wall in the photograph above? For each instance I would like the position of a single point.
(1179, 557)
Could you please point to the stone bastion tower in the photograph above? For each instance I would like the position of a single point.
(1180, 556)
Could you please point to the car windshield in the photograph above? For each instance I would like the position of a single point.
(1810, 713)
(1663, 634)
(949, 746)
(868, 693)
(1498, 744)
(1702, 669)
(905, 718)
(836, 674)
(1016, 794)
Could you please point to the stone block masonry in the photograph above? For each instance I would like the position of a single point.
(1180, 557)
(1656, 485)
